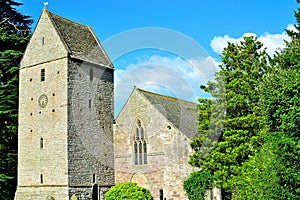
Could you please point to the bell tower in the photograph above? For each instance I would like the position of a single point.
(65, 134)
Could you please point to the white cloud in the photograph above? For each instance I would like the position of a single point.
(165, 75)
(271, 41)
(291, 27)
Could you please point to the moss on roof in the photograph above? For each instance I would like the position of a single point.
(182, 114)
(81, 41)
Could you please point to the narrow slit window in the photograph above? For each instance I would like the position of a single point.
(90, 103)
(41, 178)
(94, 178)
(95, 195)
(42, 143)
(91, 74)
(43, 40)
(43, 75)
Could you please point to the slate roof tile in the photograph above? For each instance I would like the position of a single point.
(179, 112)
(81, 41)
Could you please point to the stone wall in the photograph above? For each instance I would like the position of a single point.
(168, 150)
(42, 131)
(90, 121)
(46, 125)
(66, 139)
(42, 193)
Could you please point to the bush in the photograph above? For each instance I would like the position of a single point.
(197, 184)
(129, 191)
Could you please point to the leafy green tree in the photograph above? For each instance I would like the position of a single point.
(198, 184)
(229, 123)
(14, 36)
(128, 191)
(274, 172)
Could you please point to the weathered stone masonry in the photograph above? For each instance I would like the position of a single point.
(65, 113)
(90, 142)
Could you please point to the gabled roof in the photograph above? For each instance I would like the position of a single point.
(80, 41)
(182, 114)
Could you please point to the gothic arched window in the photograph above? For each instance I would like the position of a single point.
(139, 145)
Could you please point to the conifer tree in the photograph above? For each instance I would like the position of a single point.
(229, 122)
(274, 172)
(14, 35)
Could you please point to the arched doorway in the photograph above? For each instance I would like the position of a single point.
(95, 192)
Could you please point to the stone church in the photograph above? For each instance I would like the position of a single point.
(152, 135)
(70, 146)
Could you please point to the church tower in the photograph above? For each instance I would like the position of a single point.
(65, 132)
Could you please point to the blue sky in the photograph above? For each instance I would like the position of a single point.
(162, 38)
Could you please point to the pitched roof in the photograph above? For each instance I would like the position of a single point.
(80, 41)
(179, 112)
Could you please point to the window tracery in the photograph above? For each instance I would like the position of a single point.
(139, 145)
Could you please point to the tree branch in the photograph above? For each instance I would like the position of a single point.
(6, 20)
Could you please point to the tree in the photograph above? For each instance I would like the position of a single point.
(233, 114)
(197, 185)
(274, 172)
(13, 41)
(128, 191)
(12, 19)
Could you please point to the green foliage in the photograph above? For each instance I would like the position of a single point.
(258, 178)
(128, 191)
(274, 172)
(12, 19)
(229, 124)
(12, 45)
(197, 184)
(281, 102)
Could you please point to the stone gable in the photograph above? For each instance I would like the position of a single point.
(45, 43)
(167, 149)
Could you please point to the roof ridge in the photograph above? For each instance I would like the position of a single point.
(67, 19)
(80, 41)
(165, 96)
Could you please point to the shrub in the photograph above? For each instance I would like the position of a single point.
(129, 191)
(197, 184)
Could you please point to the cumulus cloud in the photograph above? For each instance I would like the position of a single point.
(272, 42)
(173, 76)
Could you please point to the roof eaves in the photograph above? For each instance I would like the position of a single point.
(89, 62)
(104, 53)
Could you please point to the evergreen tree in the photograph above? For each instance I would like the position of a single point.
(274, 173)
(14, 21)
(14, 36)
(229, 123)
